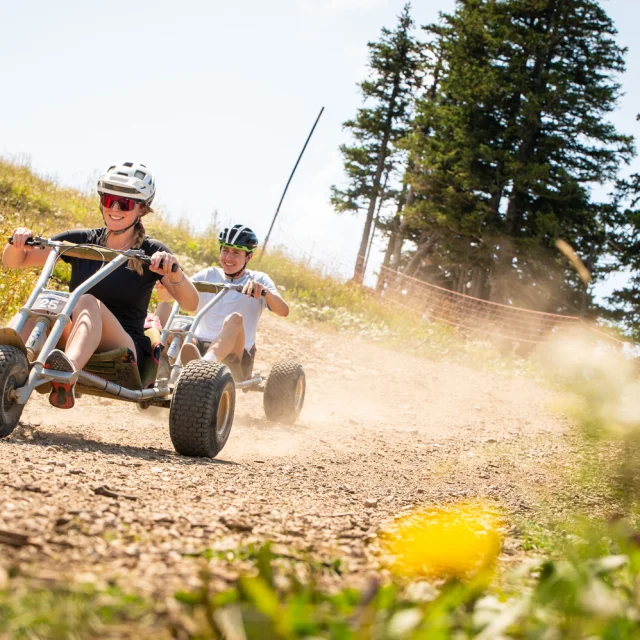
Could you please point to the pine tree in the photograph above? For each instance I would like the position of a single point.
(398, 227)
(395, 64)
(624, 246)
(516, 136)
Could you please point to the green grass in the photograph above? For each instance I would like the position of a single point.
(29, 610)
(585, 594)
(591, 592)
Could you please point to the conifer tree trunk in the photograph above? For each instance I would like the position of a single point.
(386, 261)
(358, 275)
(396, 238)
(382, 278)
(422, 252)
(402, 233)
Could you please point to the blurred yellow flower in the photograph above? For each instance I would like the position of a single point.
(457, 541)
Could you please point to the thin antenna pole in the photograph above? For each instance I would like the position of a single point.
(266, 240)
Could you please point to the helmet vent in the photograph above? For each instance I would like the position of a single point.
(140, 174)
(128, 164)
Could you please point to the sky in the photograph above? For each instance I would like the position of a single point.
(217, 99)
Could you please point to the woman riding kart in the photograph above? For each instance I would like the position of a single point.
(112, 315)
(231, 326)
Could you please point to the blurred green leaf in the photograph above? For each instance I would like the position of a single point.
(264, 558)
(261, 595)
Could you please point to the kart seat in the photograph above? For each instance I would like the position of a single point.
(118, 365)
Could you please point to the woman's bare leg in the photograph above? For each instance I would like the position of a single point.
(230, 341)
(94, 328)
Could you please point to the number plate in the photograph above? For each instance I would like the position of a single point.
(181, 323)
(51, 302)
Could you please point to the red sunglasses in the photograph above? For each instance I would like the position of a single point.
(125, 204)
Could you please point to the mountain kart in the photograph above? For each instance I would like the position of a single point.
(200, 396)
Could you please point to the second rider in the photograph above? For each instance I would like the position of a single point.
(231, 325)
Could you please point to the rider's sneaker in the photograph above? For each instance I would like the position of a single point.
(62, 395)
(188, 353)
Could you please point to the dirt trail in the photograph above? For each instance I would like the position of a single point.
(380, 432)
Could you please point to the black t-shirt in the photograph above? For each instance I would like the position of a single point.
(125, 293)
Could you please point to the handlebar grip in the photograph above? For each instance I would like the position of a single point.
(174, 267)
(30, 241)
(263, 293)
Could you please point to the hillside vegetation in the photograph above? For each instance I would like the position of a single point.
(28, 200)
(41, 204)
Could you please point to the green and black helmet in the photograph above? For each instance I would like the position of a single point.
(239, 237)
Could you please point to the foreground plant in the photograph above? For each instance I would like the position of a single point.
(602, 378)
(583, 594)
(590, 590)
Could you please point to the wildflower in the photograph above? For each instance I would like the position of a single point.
(459, 541)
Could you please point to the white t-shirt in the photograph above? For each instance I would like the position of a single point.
(234, 301)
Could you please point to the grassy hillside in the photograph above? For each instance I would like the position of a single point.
(47, 208)
(26, 199)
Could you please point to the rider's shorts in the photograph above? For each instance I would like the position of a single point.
(246, 364)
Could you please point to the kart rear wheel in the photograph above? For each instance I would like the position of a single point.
(284, 392)
(202, 409)
(14, 370)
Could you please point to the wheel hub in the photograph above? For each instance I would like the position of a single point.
(223, 418)
(299, 395)
(10, 393)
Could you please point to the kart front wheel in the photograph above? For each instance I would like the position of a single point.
(284, 392)
(14, 370)
(202, 409)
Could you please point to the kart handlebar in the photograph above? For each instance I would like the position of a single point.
(30, 241)
(210, 287)
(89, 251)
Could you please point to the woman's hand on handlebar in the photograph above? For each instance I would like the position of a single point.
(18, 253)
(162, 262)
(20, 237)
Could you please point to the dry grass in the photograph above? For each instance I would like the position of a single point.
(47, 208)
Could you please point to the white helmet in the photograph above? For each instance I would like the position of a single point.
(128, 179)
